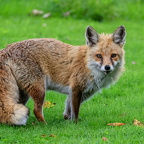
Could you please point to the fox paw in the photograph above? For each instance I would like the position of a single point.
(67, 117)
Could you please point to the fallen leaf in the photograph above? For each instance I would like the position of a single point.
(104, 139)
(52, 135)
(48, 104)
(44, 135)
(116, 124)
(138, 123)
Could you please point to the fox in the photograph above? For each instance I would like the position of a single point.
(28, 68)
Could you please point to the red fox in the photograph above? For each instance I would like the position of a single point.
(29, 67)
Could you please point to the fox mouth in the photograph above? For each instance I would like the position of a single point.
(107, 72)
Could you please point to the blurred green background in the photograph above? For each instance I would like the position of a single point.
(98, 10)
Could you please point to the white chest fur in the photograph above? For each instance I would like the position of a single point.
(99, 81)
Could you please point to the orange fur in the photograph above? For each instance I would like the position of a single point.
(29, 67)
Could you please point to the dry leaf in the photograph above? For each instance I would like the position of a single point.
(52, 135)
(48, 104)
(137, 123)
(116, 124)
(44, 135)
(104, 139)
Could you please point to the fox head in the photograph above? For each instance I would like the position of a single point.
(105, 51)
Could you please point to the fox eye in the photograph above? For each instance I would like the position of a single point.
(99, 56)
(113, 55)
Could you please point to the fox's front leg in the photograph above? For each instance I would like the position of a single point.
(73, 104)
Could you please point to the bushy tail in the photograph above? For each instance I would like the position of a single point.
(10, 111)
(14, 114)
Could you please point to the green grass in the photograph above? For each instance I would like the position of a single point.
(122, 102)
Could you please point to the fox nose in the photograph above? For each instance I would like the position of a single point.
(107, 67)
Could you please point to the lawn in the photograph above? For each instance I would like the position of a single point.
(122, 102)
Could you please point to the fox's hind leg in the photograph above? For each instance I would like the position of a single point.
(37, 92)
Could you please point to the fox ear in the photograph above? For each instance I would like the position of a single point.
(91, 36)
(119, 35)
